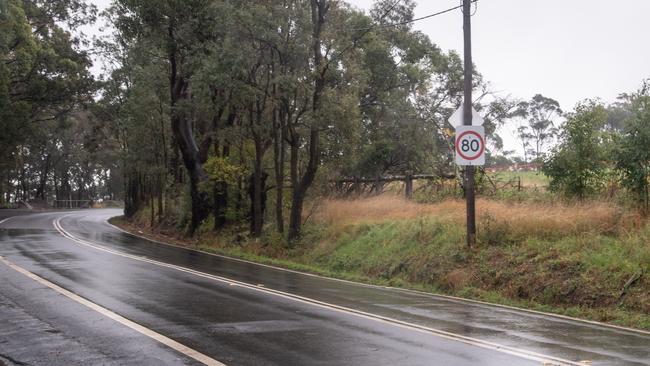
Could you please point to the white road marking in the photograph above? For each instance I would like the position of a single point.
(534, 356)
(7, 219)
(421, 293)
(179, 347)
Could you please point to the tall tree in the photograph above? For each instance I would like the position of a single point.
(320, 65)
(540, 114)
(632, 156)
(44, 78)
(177, 31)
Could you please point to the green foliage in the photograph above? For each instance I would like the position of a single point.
(576, 167)
(221, 170)
(376, 103)
(632, 155)
(46, 145)
(540, 114)
(493, 232)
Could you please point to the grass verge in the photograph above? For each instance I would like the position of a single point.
(589, 260)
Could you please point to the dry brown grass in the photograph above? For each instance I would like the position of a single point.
(516, 218)
(384, 208)
(556, 219)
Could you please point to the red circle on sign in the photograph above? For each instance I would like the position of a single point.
(480, 152)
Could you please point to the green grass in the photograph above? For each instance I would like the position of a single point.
(578, 274)
(528, 178)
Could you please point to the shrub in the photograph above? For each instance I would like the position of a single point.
(576, 166)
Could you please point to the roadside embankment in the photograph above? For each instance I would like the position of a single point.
(588, 260)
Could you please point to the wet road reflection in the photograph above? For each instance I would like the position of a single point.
(242, 326)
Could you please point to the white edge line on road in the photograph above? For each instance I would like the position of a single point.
(534, 356)
(179, 347)
(7, 219)
(421, 293)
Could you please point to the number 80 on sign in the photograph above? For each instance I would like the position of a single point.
(470, 145)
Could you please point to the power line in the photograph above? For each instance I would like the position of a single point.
(377, 26)
(365, 32)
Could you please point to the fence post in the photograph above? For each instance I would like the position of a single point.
(409, 186)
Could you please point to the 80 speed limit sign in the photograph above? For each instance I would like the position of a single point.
(470, 145)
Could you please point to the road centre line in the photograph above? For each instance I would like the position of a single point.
(530, 355)
(456, 299)
(179, 347)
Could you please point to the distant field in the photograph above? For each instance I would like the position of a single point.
(529, 179)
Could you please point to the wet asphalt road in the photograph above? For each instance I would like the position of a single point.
(247, 325)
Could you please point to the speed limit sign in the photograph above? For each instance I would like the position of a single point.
(470, 145)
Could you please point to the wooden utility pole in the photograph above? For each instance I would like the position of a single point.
(467, 121)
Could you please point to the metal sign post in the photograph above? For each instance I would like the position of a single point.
(467, 121)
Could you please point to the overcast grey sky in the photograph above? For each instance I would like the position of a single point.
(568, 50)
(565, 49)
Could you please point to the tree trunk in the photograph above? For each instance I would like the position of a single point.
(162, 135)
(132, 195)
(220, 205)
(319, 9)
(23, 183)
(41, 192)
(646, 192)
(258, 190)
(296, 201)
(409, 187)
(221, 188)
(152, 205)
(295, 216)
(301, 185)
(161, 190)
(174, 163)
(279, 137)
(239, 202)
(183, 135)
(221, 198)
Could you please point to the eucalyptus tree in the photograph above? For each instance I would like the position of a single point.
(175, 32)
(135, 103)
(619, 112)
(290, 91)
(261, 28)
(44, 78)
(398, 64)
(632, 155)
(318, 83)
(540, 115)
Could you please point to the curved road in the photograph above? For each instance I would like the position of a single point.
(75, 290)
